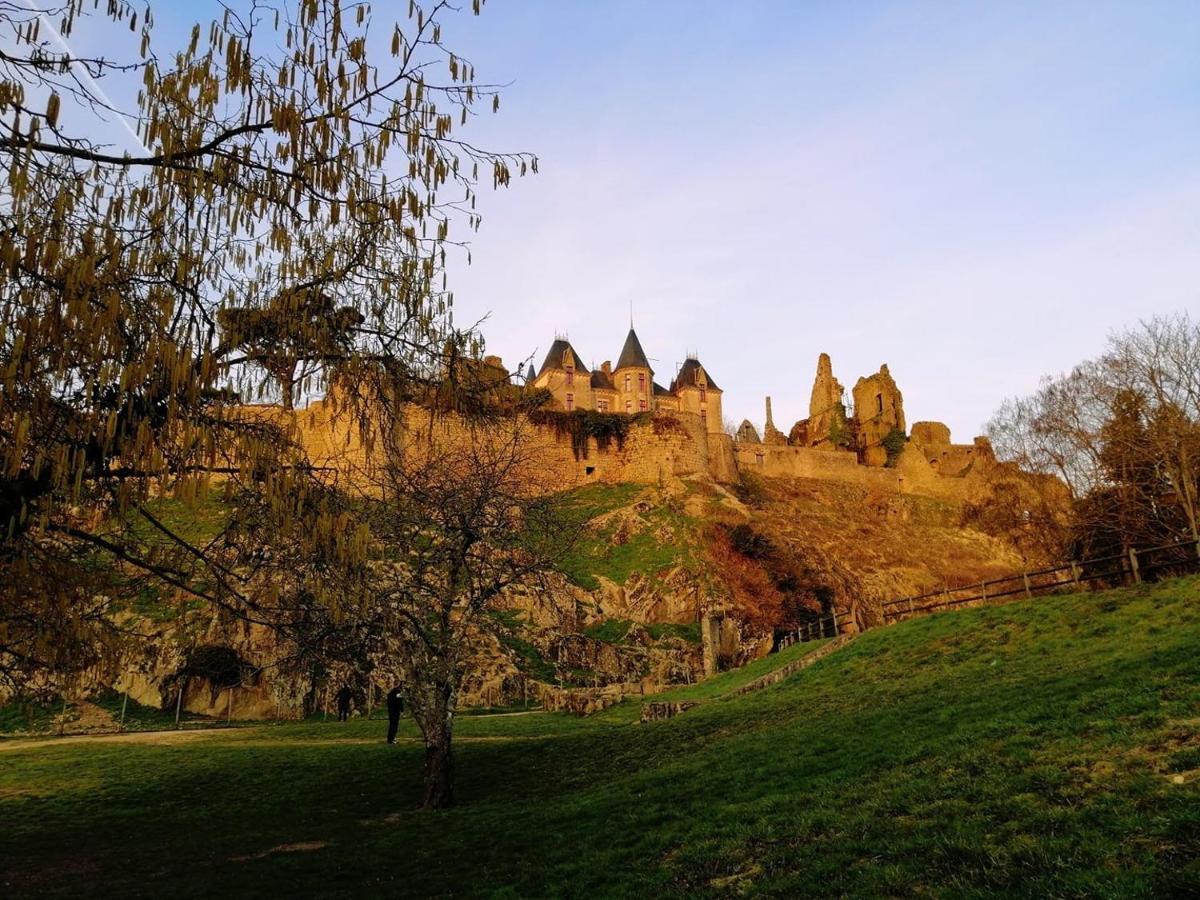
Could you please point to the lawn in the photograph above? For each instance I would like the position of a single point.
(1044, 748)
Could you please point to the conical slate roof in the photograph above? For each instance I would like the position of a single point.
(632, 354)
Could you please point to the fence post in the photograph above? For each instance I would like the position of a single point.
(1133, 566)
(124, 700)
(1075, 572)
(229, 707)
(833, 615)
(1028, 592)
(325, 711)
(179, 701)
(983, 591)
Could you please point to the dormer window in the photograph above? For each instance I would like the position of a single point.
(878, 404)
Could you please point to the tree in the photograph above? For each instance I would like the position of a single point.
(1123, 433)
(450, 515)
(288, 161)
(289, 349)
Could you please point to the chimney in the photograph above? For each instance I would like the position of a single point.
(606, 367)
(770, 423)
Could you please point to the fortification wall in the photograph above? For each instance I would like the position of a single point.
(912, 474)
(669, 444)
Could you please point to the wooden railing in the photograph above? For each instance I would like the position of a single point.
(1123, 568)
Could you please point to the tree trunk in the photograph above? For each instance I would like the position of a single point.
(434, 713)
(439, 772)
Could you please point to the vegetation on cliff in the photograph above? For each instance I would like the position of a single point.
(1045, 748)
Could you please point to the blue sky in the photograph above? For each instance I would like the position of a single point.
(973, 193)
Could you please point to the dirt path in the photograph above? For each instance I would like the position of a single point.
(127, 737)
(245, 736)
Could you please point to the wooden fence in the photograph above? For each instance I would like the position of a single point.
(1131, 567)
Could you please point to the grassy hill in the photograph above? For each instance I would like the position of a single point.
(1046, 748)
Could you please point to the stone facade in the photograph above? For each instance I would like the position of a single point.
(630, 386)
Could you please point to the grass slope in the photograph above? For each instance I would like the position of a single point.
(1047, 748)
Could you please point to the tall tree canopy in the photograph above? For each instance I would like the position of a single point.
(285, 195)
(1123, 432)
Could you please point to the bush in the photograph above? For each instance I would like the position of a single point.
(893, 442)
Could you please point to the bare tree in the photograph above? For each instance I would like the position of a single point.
(287, 164)
(447, 514)
(1122, 432)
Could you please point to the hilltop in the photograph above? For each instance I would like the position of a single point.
(1040, 748)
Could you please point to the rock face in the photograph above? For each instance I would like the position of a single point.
(878, 408)
(826, 409)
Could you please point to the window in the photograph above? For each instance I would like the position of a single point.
(642, 405)
(641, 383)
(628, 403)
(703, 395)
(570, 374)
(878, 404)
(703, 414)
(570, 402)
(627, 383)
(758, 458)
(602, 405)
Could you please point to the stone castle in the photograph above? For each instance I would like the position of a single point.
(678, 432)
(630, 387)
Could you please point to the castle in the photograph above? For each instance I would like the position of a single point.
(630, 387)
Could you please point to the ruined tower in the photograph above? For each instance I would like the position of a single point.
(771, 434)
(826, 409)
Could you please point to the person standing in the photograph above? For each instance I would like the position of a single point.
(343, 703)
(395, 705)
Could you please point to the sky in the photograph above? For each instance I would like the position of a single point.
(974, 193)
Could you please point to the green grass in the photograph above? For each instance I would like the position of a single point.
(646, 552)
(24, 715)
(1026, 750)
(197, 522)
(689, 631)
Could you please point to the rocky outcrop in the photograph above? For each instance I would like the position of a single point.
(656, 710)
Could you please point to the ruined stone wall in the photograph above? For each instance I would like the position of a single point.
(878, 408)
(912, 474)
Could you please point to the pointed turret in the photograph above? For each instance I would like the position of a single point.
(632, 355)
